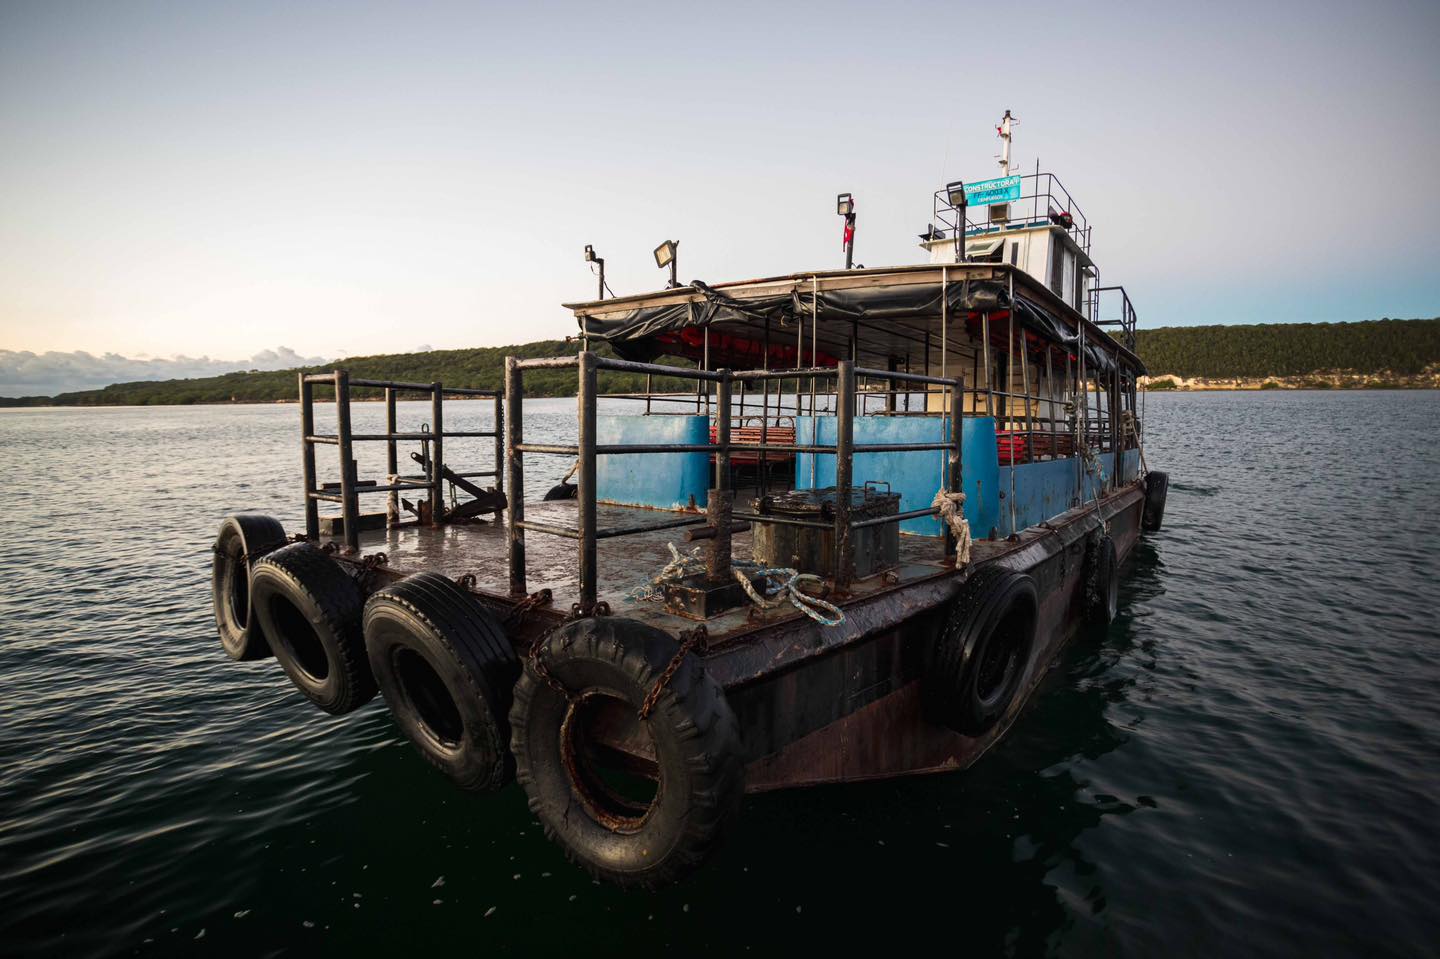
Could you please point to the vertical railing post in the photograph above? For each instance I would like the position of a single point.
(307, 458)
(589, 573)
(844, 454)
(499, 442)
(1115, 435)
(515, 472)
(392, 460)
(349, 501)
(719, 502)
(954, 474)
(437, 459)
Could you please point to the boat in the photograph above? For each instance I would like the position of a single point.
(824, 527)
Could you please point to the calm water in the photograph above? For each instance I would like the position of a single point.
(1248, 764)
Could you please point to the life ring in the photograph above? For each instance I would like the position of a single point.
(975, 667)
(1101, 583)
(634, 801)
(446, 671)
(310, 609)
(243, 539)
(1157, 486)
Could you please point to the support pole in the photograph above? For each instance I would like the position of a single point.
(499, 442)
(720, 501)
(437, 461)
(954, 476)
(349, 502)
(844, 450)
(589, 572)
(515, 473)
(307, 458)
(392, 461)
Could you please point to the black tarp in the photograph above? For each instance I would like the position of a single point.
(638, 333)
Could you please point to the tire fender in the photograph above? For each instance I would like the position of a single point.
(242, 540)
(310, 610)
(446, 670)
(976, 665)
(597, 673)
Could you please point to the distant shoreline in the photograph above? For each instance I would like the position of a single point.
(1368, 354)
(6, 407)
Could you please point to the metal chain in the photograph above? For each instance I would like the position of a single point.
(697, 639)
(518, 612)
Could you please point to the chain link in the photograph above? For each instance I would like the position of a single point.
(696, 639)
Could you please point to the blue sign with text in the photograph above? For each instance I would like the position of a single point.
(1002, 189)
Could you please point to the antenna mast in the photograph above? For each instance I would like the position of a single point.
(1007, 124)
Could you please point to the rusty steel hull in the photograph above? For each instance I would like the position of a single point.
(854, 714)
(815, 704)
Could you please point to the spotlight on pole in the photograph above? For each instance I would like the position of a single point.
(845, 207)
(955, 193)
(590, 257)
(665, 256)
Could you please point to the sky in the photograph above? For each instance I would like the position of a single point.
(194, 185)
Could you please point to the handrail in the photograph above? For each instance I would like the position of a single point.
(719, 513)
(344, 439)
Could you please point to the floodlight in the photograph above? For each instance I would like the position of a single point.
(589, 253)
(665, 256)
(955, 192)
(844, 204)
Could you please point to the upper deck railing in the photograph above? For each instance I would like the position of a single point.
(1043, 200)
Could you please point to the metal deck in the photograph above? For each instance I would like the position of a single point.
(479, 549)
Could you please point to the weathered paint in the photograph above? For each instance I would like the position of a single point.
(660, 480)
(917, 475)
(1046, 489)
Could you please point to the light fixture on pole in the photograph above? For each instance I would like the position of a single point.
(590, 257)
(665, 256)
(845, 206)
(955, 194)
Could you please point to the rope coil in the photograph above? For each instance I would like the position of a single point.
(952, 513)
(782, 585)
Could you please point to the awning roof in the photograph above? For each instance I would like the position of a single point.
(895, 312)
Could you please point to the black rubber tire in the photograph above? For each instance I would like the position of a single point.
(990, 626)
(447, 671)
(242, 540)
(561, 491)
(1157, 486)
(1101, 584)
(614, 663)
(310, 610)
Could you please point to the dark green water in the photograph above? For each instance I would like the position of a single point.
(1249, 763)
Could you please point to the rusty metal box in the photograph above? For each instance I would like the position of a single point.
(810, 550)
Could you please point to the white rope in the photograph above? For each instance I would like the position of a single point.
(781, 584)
(952, 512)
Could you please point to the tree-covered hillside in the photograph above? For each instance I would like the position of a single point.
(1404, 347)
(482, 368)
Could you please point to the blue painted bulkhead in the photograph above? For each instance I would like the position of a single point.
(659, 480)
(915, 476)
(1046, 489)
(680, 480)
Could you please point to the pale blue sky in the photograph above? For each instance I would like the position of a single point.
(337, 178)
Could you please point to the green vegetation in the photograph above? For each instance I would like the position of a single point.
(482, 368)
(1255, 351)
(1393, 347)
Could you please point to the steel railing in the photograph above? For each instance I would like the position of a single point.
(720, 514)
(344, 438)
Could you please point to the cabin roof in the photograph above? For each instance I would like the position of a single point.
(881, 313)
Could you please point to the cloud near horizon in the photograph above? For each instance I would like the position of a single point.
(23, 373)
